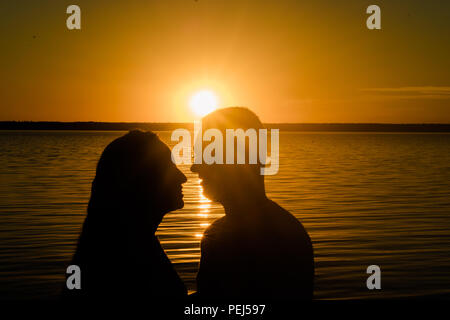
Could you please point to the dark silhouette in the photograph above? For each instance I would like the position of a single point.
(257, 249)
(136, 184)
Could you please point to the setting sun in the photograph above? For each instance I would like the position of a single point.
(203, 102)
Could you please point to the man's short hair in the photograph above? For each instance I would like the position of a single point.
(232, 118)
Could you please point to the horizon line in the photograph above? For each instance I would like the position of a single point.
(190, 122)
(167, 126)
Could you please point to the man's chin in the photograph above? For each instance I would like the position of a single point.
(209, 193)
(209, 196)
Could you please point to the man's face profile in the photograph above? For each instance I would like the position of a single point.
(217, 180)
(223, 182)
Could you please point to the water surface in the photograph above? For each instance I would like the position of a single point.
(364, 198)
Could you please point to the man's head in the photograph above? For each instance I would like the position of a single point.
(227, 183)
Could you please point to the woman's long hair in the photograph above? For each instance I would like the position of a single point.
(118, 253)
(121, 201)
(124, 169)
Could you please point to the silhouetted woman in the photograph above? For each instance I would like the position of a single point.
(135, 185)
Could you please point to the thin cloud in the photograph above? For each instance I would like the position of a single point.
(430, 92)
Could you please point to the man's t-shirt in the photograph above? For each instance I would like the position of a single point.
(266, 253)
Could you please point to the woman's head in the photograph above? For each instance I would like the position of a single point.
(136, 176)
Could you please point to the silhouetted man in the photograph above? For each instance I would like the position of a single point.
(257, 249)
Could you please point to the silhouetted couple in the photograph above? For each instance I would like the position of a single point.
(257, 250)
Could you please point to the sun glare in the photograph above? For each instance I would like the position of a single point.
(203, 102)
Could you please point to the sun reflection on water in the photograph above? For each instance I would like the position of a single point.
(205, 208)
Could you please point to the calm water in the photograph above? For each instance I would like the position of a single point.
(365, 199)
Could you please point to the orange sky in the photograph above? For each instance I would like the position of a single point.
(289, 61)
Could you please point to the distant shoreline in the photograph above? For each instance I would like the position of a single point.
(307, 127)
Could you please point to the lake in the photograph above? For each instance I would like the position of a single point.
(364, 198)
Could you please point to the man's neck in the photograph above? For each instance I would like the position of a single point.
(247, 206)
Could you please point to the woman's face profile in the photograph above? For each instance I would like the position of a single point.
(168, 183)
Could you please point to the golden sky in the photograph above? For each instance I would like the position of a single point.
(289, 61)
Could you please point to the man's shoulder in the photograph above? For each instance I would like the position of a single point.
(218, 223)
(286, 221)
(281, 214)
(215, 229)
